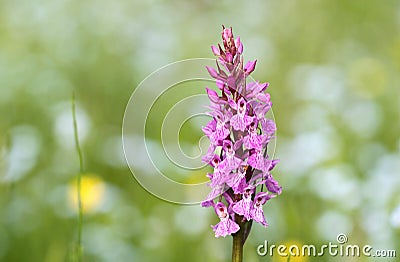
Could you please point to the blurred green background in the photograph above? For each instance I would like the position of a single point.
(334, 73)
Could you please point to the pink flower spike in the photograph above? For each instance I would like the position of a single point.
(249, 67)
(239, 132)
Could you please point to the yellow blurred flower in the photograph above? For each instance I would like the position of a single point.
(290, 247)
(92, 193)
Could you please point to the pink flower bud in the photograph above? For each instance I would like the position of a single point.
(215, 50)
(213, 73)
(249, 67)
(239, 45)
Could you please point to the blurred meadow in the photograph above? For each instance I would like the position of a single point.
(335, 84)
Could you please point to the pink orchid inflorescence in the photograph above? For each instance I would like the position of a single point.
(239, 134)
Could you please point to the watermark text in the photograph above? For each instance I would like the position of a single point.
(340, 248)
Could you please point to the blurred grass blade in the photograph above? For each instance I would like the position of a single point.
(80, 211)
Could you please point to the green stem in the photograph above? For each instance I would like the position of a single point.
(80, 210)
(247, 229)
(238, 241)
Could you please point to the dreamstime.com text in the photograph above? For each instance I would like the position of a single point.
(333, 249)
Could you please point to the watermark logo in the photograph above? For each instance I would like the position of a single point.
(339, 248)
